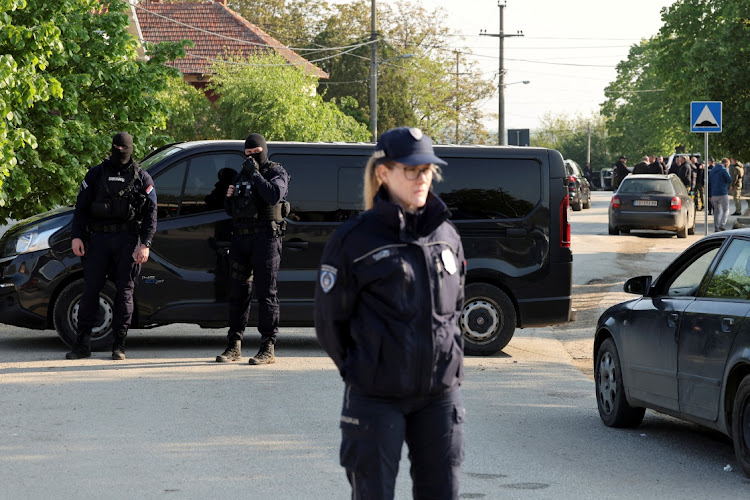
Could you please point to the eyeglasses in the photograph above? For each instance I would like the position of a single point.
(413, 172)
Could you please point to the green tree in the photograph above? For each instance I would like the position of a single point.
(570, 136)
(292, 22)
(191, 115)
(417, 91)
(70, 79)
(266, 95)
(700, 53)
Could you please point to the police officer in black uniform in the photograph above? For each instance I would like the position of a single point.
(113, 225)
(387, 303)
(256, 200)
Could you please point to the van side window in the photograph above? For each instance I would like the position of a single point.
(207, 181)
(168, 186)
(478, 188)
(326, 188)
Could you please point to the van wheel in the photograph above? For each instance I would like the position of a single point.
(741, 425)
(65, 315)
(488, 319)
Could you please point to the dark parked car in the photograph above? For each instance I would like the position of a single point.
(652, 201)
(683, 347)
(579, 188)
(509, 204)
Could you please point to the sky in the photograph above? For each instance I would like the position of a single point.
(568, 53)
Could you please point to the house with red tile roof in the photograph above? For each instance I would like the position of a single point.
(216, 30)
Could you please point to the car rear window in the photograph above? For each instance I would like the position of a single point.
(651, 186)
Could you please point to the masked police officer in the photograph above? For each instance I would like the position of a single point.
(113, 225)
(256, 202)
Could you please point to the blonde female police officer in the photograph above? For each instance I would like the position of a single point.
(388, 297)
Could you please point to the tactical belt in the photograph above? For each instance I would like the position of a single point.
(131, 227)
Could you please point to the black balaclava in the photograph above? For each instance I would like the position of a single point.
(253, 141)
(121, 158)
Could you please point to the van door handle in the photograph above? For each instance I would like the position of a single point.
(672, 320)
(295, 245)
(726, 324)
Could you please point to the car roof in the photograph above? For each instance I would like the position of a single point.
(647, 176)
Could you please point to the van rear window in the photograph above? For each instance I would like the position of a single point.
(479, 188)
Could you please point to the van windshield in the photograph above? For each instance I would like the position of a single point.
(159, 155)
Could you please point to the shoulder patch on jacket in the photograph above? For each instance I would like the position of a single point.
(327, 277)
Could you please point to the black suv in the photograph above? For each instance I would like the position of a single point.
(509, 204)
(579, 188)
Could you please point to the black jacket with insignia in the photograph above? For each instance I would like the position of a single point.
(388, 300)
(117, 178)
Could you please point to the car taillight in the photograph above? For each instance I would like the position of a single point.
(615, 201)
(676, 203)
(571, 178)
(565, 222)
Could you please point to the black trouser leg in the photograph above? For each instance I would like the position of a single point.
(266, 260)
(95, 265)
(240, 285)
(125, 273)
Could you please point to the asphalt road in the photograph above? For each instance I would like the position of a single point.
(171, 423)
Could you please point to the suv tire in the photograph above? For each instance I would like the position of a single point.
(487, 320)
(65, 315)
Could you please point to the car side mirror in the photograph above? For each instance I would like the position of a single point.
(640, 285)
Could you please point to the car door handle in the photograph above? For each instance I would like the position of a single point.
(726, 324)
(296, 245)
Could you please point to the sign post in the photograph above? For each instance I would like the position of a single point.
(705, 116)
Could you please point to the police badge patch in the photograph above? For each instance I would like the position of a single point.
(449, 261)
(327, 277)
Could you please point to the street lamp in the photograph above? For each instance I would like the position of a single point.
(374, 90)
(501, 114)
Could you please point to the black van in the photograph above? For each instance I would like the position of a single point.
(510, 205)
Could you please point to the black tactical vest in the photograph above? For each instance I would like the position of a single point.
(113, 205)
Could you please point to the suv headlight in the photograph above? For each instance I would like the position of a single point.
(33, 238)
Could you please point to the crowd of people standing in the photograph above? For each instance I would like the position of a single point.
(692, 171)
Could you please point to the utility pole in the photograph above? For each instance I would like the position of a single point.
(501, 74)
(588, 149)
(457, 94)
(373, 75)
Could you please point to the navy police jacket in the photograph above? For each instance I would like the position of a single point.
(388, 297)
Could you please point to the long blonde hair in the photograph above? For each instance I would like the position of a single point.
(373, 182)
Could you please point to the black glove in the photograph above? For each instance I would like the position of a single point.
(250, 165)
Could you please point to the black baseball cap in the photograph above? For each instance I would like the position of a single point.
(407, 145)
(623, 157)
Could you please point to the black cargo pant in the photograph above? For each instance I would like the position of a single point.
(255, 259)
(109, 253)
(373, 430)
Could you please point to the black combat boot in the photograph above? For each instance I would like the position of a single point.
(82, 347)
(118, 348)
(265, 355)
(233, 352)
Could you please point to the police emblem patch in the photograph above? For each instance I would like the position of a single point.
(449, 261)
(327, 277)
(416, 133)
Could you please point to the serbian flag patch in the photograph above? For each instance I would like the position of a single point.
(149, 189)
